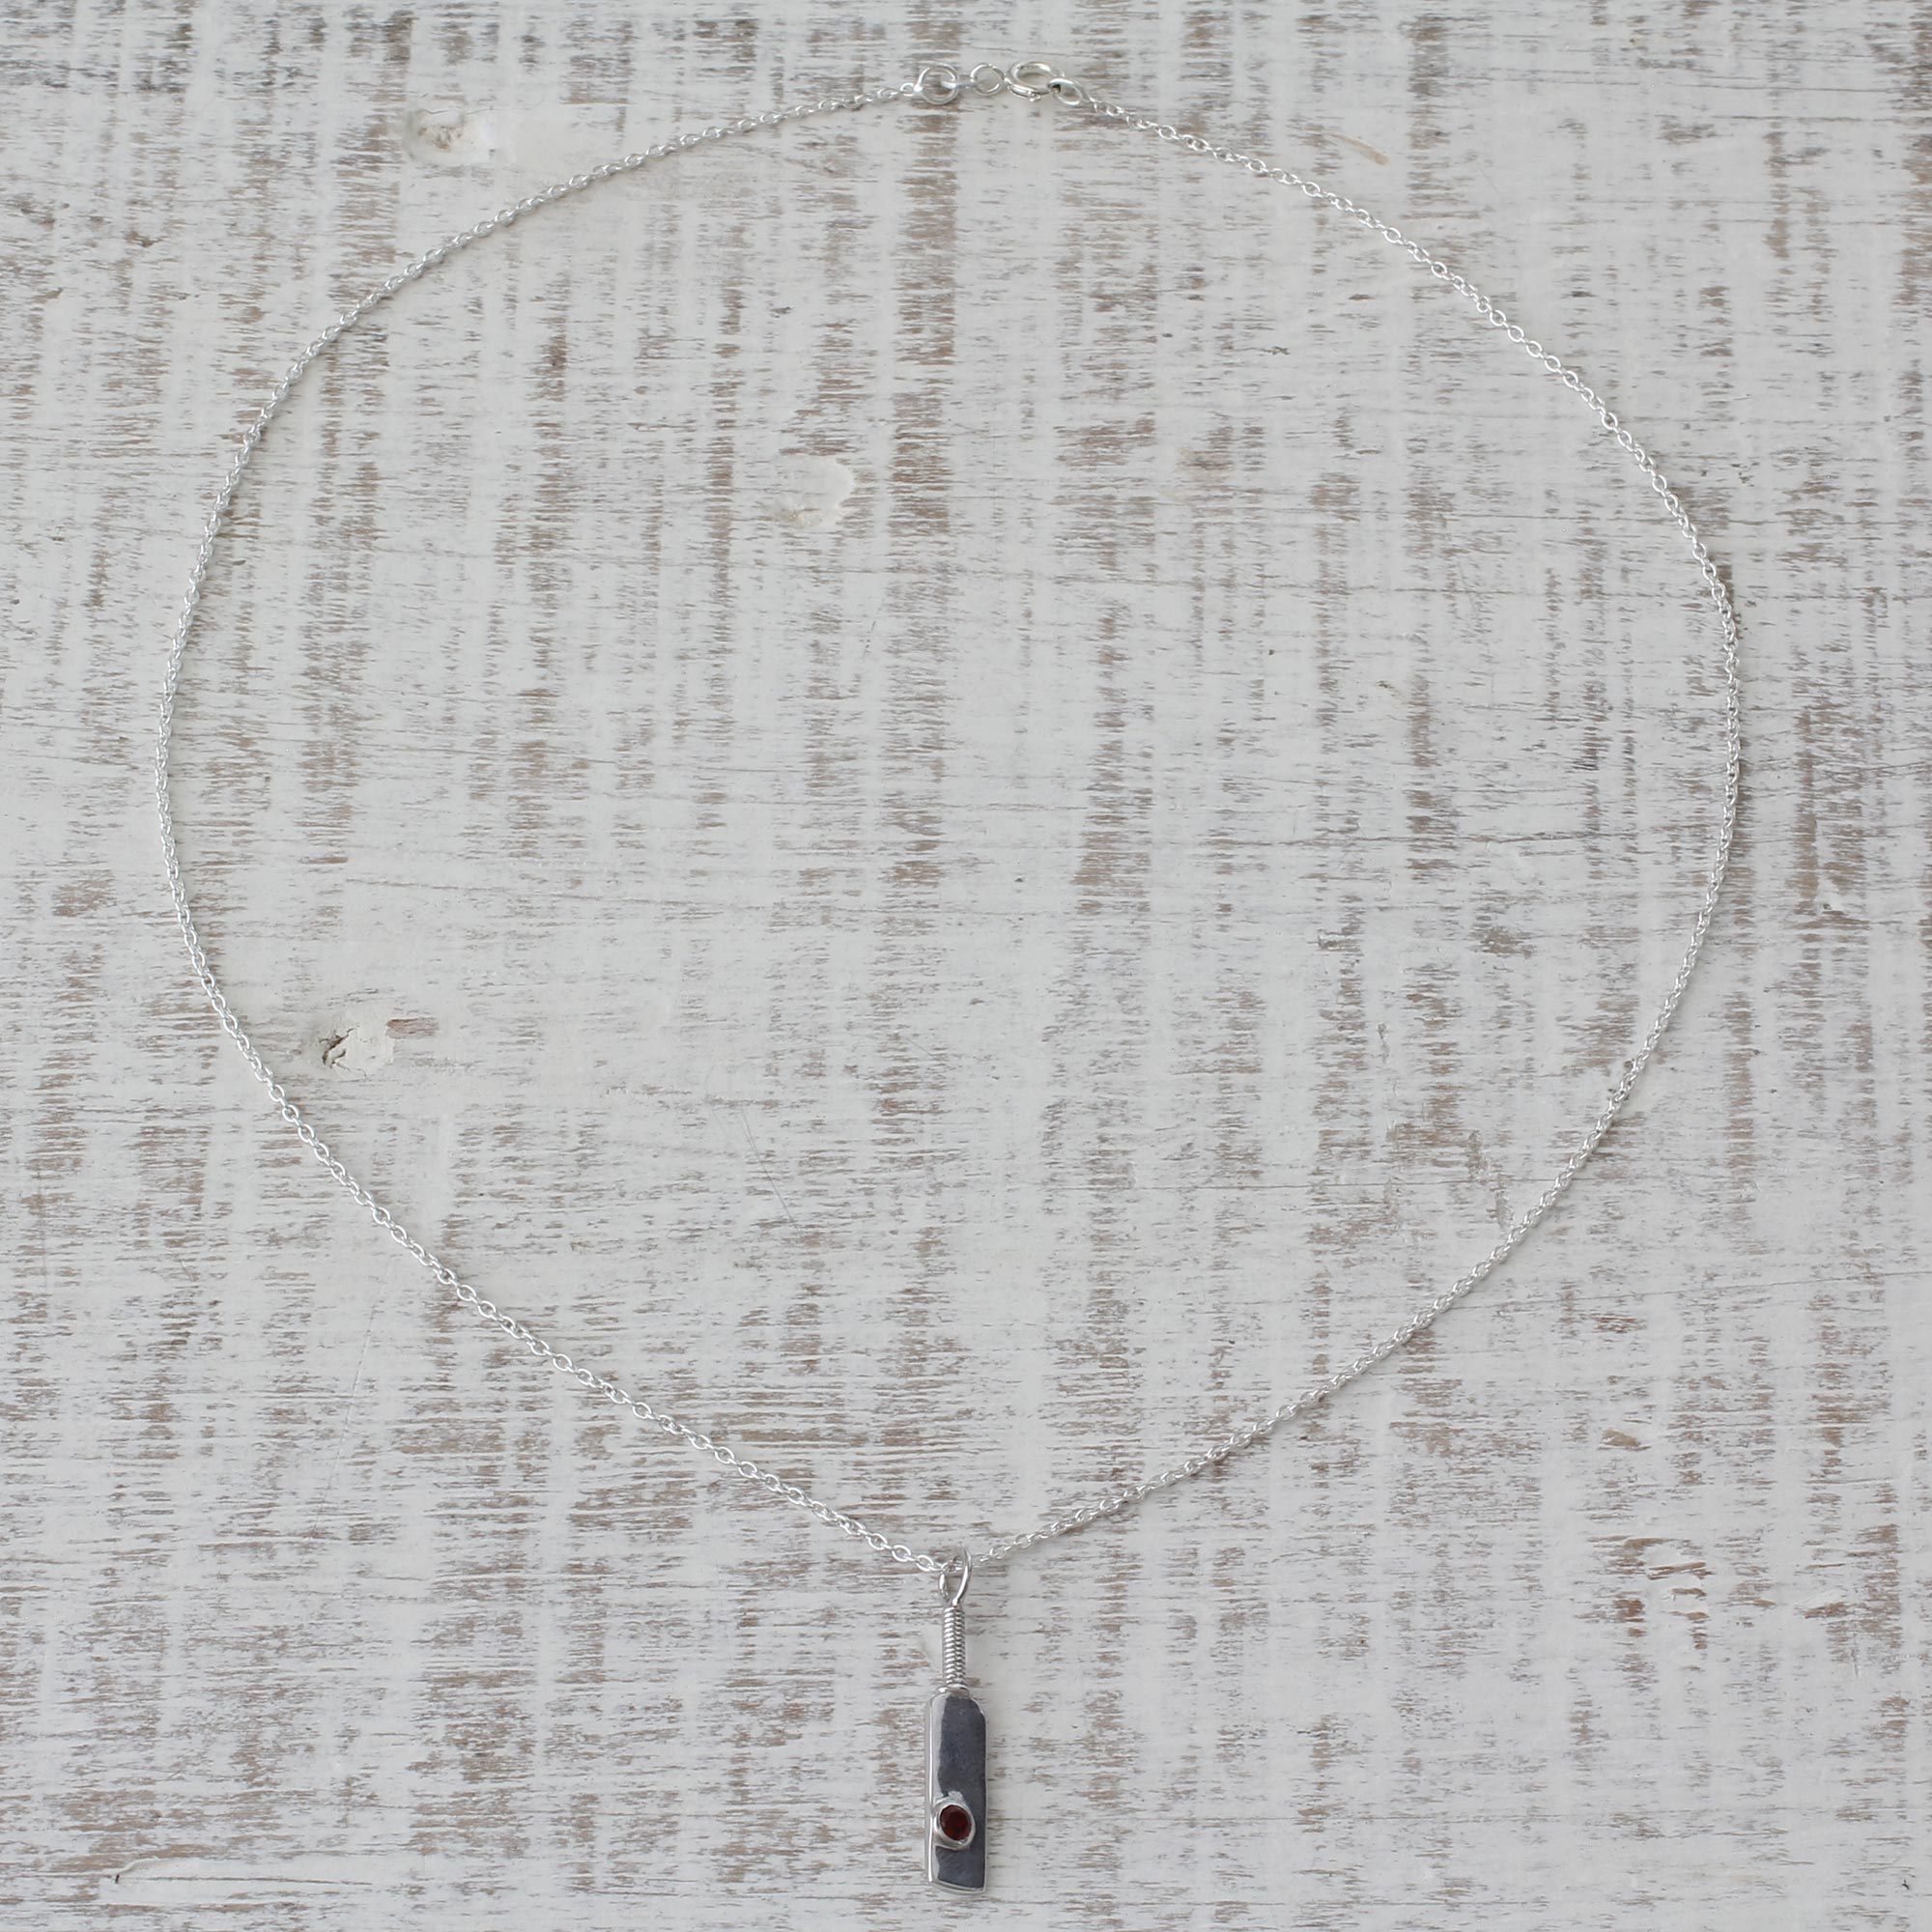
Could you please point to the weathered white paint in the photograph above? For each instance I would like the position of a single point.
(965, 795)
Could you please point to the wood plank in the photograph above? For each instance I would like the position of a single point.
(967, 796)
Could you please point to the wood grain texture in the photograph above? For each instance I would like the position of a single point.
(967, 797)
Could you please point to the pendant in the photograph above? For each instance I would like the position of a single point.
(955, 1753)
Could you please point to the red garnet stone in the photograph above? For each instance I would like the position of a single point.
(955, 1824)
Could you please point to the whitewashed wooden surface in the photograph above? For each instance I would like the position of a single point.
(966, 796)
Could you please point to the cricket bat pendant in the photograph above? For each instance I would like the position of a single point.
(955, 1754)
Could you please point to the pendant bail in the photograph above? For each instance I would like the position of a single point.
(954, 1575)
(953, 1584)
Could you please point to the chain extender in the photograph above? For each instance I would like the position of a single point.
(940, 85)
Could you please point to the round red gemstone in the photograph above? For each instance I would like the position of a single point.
(955, 1824)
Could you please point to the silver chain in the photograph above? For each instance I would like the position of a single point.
(939, 85)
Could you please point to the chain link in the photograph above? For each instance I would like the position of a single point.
(940, 85)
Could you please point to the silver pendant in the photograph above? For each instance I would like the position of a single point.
(955, 1753)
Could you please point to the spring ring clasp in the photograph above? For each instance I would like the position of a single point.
(1030, 79)
(939, 84)
(1034, 79)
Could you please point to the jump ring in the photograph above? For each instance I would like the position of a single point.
(938, 86)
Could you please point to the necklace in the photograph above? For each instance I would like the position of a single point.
(954, 1828)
